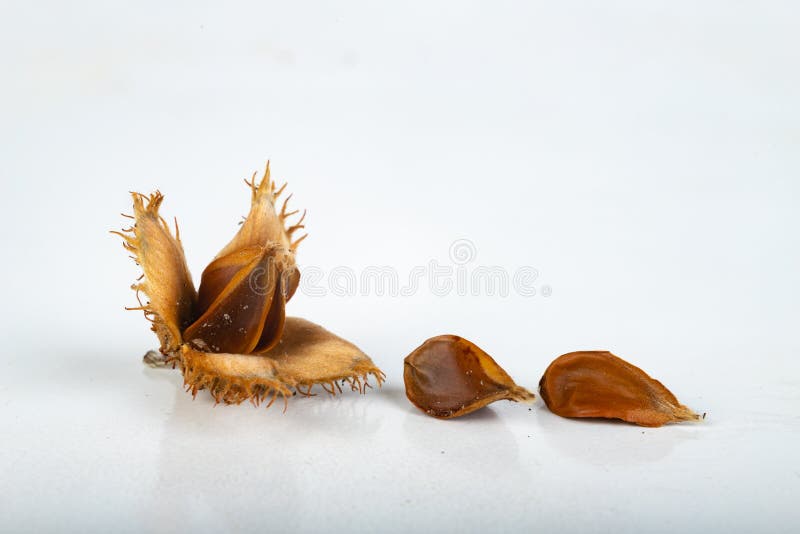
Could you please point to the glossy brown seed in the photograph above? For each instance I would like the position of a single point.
(449, 376)
(599, 384)
(242, 301)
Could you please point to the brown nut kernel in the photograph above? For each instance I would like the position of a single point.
(600, 384)
(449, 376)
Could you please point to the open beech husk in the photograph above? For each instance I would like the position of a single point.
(232, 336)
(449, 376)
(599, 384)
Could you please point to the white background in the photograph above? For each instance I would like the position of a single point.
(643, 156)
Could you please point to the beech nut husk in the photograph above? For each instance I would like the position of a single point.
(232, 337)
(601, 385)
(448, 376)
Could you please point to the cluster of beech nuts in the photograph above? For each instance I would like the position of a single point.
(232, 337)
(448, 376)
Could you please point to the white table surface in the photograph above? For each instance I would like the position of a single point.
(642, 157)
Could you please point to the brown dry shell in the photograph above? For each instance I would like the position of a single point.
(600, 384)
(165, 281)
(449, 376)
(307, 354)
(233, 337)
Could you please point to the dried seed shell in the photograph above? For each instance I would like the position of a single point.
(172, 299)
(600, 384)
(449, 376)
(231, 378)
(265, 224)
(309, 354)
